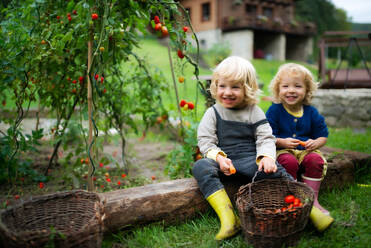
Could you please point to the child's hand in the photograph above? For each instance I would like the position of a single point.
(312, 144)
(288, 143)
(224, 164)
(267, 164)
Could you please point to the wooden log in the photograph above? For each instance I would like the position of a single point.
(180, 199)
(170, 202)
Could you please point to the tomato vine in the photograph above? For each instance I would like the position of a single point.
(44, 50)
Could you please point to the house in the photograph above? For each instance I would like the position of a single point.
(253, 28)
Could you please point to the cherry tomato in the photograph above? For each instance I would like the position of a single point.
(94, 16)
(156, 19)
(180, 54)
(296, 202)
(158, 26)
(164, 31)
(289, 199)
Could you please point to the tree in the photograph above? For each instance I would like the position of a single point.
(323, 13)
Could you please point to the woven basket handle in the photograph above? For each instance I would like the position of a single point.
(250, 198)
(252, 181)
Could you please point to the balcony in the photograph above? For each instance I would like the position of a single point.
(260, 22)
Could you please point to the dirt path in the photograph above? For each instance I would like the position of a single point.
(146, 158)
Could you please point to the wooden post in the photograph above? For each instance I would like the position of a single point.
(322, 62)
(90, 110)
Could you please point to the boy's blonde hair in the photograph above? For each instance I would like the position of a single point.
(238, 70)
(294, 70)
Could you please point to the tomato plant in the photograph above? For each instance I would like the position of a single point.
(51, 57)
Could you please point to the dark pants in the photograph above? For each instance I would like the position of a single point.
(208, 175)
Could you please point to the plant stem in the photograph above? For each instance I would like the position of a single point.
(176, 92)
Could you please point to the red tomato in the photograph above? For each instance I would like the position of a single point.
(158, 26)
(191, 105)
(182, 103)
(164, 31)
(296, 202)
(185, 29)
(94, 16)
(180, 54)
(289, 199)
(156, 19)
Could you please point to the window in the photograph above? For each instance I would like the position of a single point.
(250, 9)
(205, 12)
(268, 12)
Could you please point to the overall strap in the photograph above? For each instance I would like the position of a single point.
(217, 114)
(261, 122)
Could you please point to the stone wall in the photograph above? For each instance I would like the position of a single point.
(344, 107)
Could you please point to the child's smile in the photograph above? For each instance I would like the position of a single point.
(230, 94)
(292, 91)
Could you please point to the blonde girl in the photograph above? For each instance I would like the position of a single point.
(233, 134)
(298, 127)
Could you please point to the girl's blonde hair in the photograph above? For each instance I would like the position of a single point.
(294, 70)
(237, 70)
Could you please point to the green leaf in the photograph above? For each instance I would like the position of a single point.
(70, 6)
(67, 37)
(78, 60)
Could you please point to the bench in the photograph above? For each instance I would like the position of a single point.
(344, 78)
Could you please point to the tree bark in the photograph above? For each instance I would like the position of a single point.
(170, 202)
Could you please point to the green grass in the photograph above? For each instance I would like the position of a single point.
(349, 139)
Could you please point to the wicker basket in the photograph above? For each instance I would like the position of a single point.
(262, 225)
(64, 219)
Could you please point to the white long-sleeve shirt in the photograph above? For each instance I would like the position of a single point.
(208, 140)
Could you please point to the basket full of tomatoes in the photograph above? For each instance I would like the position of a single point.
(274, 212)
